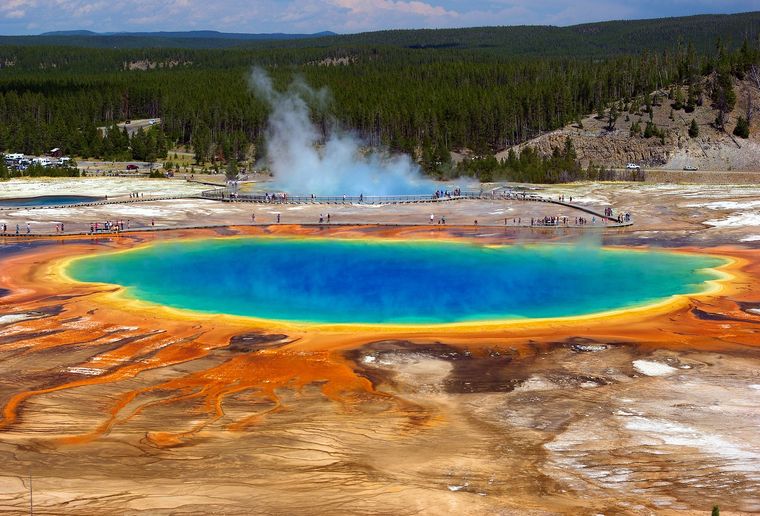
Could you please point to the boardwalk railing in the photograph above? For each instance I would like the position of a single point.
(225, 194)
(228, 195)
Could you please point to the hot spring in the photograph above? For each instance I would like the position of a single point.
(377, 281)
(48, 200)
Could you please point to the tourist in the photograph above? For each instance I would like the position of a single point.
(328, 218)
(61, 227)
(28, 228)
(253, 217)
(152, 222)
(432, 218)
(278, 218)
(17, 229)
(321, 218)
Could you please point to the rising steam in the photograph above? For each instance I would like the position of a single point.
(302, 166)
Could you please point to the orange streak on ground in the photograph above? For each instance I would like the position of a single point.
(262, 374)
(166, 337)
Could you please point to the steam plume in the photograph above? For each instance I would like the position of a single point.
(301, 166)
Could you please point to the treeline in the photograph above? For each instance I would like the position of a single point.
(116, 144)
(37, 171)
(424, 102)
(530, 167)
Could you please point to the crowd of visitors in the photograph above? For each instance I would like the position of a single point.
(448, 194)
(111, 226)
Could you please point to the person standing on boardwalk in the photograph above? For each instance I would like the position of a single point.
(432, 218)
(278, 218)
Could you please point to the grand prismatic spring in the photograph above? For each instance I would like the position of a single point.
(414, 282)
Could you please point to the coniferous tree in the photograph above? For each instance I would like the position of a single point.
(201, 142)
(612, 117)
(742, 128)
(693, 129)
(232, 170)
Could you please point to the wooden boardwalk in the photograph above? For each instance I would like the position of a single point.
(222, 195)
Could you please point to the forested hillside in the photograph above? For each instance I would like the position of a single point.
(592, 39)
(425, 100)
(597, 39)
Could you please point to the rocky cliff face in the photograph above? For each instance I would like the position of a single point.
(674, 149)
(613, 149)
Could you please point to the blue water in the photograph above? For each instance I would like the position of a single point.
(48, 200)
(375, 281)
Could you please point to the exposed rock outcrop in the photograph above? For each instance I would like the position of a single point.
(712, 149)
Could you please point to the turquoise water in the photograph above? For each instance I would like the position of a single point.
(48, 200)
(374, 281)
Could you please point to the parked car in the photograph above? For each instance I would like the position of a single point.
(690, 168)
(632, 166)
(132, 166)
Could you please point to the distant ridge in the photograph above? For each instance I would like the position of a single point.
(70, 33)
(193, 34)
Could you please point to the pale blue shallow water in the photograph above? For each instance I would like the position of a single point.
(375, 281)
